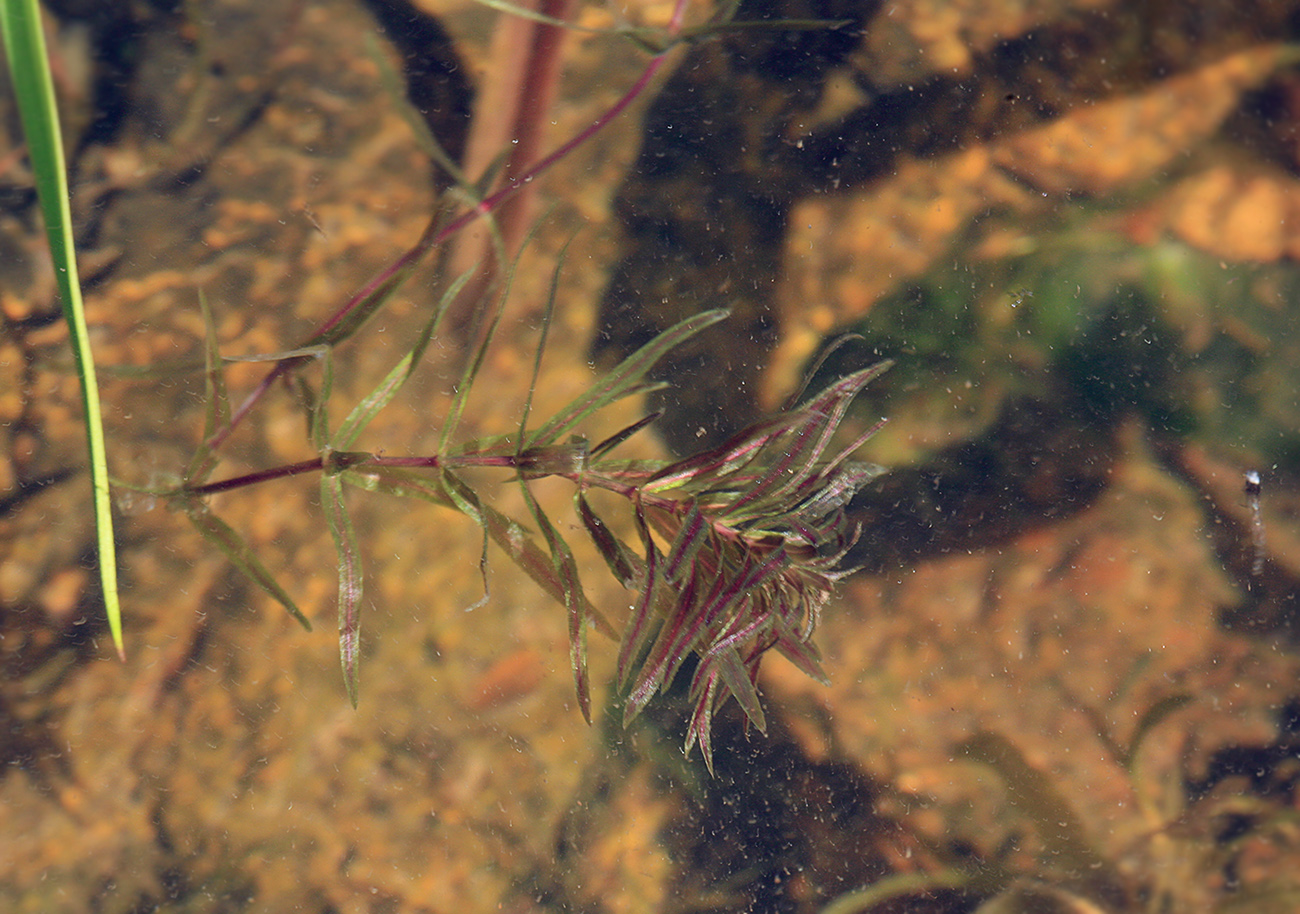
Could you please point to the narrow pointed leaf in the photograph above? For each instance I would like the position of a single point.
(466, 383)
(241, 555)
(619, 437)
(313, 351)
(381, 396)
(705, 469)
(350, 580)
(691, 636)
(848, 386)
(358, 310)
(400, 483)
(692, 535)
(682, 633)
(803, 654)
(625, 377)
(216, 412)
(468, 503)
(1037, 796)
(809, 438)
(755, 577)
(613, 551)
(701, 726)
(796, 462)
(508, 534)
(736, 679)
(566, 569)
(548, 313)
(214, 380)
(639, 626)
(677, 637)
(1151, 718)
(796, 396)
(395, 88)
(842, 458)
(475, 362)
(449, 492)
(835, 490)
(526, 12)
(743, 626)
(29, 71)
(320, 431)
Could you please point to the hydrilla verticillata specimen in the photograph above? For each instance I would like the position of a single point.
(739, 546)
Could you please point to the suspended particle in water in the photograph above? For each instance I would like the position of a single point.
(1254, 488)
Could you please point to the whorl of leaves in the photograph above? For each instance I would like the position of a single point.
(740, 550)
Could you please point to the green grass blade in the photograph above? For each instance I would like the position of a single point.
(29, 69)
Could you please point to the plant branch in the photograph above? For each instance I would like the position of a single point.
(433, 235)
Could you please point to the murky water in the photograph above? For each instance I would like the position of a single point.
(1063, 677)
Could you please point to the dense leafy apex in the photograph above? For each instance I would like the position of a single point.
(740, 551)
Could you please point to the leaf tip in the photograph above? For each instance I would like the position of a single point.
(350, 683)
(114, 613)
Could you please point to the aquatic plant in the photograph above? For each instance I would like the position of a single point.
(739, 546)
(757, 532)
(738, 549)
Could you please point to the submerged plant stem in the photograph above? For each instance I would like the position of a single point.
(434, 236)
(343, 460)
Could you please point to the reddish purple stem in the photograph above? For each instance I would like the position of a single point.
(343, 460)
(426, 242)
